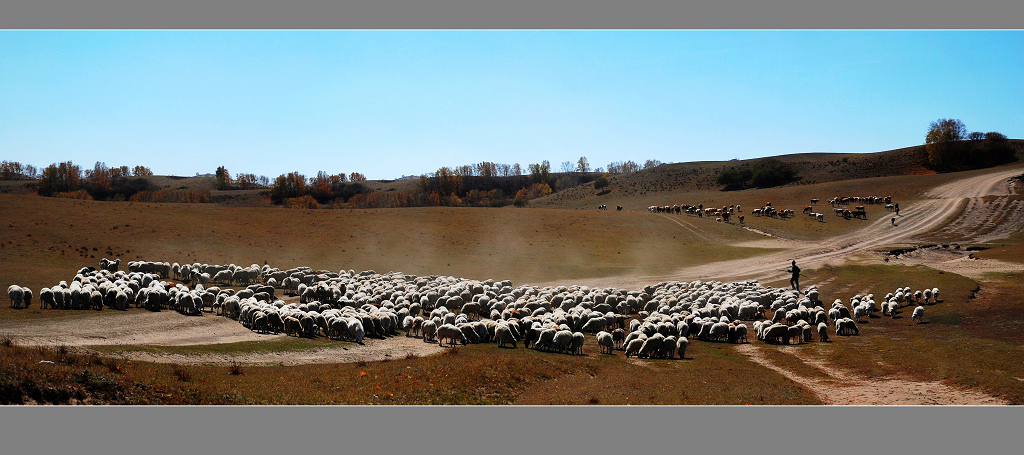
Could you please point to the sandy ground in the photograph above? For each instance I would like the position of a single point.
(843, 388)
(396, 347)
(955, 209)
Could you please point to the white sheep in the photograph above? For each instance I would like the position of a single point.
(918, 314)
(503, 335)
(576, 346)
(681, 346)
(16, 294)
(605, 342)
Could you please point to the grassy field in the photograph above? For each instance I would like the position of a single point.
(477, 374)
(51, 238)
(973, 338)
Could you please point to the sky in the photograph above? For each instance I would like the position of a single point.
(394, 103)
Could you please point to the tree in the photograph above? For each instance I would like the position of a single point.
(735, 179)
(976, 136)
(223, 178)
(583, 165)
(60, 178)
(356, 177)
(539, 172)
(652, 164)
(601, 182)
(288, 186)
(516, 170)
(942, 143)
(568, 167)
(141, 171)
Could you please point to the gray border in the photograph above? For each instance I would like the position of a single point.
(505, 14)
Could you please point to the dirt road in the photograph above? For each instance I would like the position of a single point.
(989, 199)
(838, 387)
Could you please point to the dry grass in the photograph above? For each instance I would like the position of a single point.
(50, 240)
(477, 374)
(970, 339)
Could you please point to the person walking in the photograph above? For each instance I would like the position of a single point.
(795, 281)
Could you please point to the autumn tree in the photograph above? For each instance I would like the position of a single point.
(223, 178)
(60, 178)
(942, 142)
(650, 164)
(582, 165)
(539, 172)
(356, 177)
(141, 171)
(287, 186)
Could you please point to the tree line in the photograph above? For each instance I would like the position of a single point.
(951, 148)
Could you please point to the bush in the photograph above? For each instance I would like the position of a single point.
(771, 172)
(601, 182)
(519, 202)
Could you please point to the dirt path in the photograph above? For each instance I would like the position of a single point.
(843, 388)
(988, 198)
(396, 347)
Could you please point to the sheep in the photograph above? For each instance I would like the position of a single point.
(562, 341)
(429, 329)
(606, 342)
(356, 330)
(935, 295)
(634, 346)
(794, 332)
(681, 344)
(846, 325)
(545, 339)
(652, 345)
(822, 332)
(452, 334)
(16, 294)
(776, 334)
(668, 348)
(576, 345)
(618, 336)
(503, 335)
(918, 314)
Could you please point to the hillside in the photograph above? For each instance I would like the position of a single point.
(700, 176)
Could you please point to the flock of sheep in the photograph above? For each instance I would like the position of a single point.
(352, 306)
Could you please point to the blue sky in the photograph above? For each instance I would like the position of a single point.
(393, 103)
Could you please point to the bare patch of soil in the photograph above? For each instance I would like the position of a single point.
(393, 348)
(843, 388)
(958, 261)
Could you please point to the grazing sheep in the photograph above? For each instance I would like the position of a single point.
(822, 332)
(16, 294)
(634, 346)
(576, 346)
(652, 345)
(503, 335)
(918, 314)
(618, 336)
(562, 341)
(681, 344)
(605, 342)
(846, 325)
(668, 348)
(429, 329)
(776, 334)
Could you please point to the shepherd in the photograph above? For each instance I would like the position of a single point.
(795, 281)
